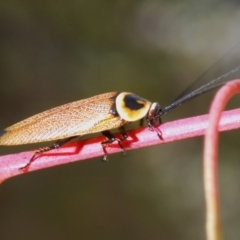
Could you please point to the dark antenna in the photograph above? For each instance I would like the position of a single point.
(225, 59)
(214, 84)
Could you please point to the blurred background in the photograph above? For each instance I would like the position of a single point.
(54, 52)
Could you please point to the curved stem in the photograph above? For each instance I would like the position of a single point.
(213, 223)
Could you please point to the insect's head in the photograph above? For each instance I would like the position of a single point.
(153, 116)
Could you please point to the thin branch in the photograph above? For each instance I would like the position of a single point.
(90, 148)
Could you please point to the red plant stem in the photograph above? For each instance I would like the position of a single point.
(90, 148)
(213, 222)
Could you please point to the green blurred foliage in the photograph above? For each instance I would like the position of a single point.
(54, 52)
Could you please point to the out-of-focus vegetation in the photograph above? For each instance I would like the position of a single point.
(54, 52)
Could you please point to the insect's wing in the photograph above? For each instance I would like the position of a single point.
(90, 115)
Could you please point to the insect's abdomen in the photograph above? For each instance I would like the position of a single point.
(90, 115)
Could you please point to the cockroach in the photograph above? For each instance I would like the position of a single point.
(100, 113)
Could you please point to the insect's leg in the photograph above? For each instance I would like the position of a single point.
(141, 122)
(152, 127)
(46, 149)
(111, 138)
(160, 121)
(123, 133)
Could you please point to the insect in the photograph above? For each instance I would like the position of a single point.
(100, 113)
